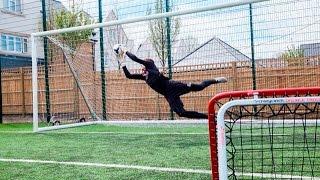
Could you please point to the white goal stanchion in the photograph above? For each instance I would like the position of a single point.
(269, 138)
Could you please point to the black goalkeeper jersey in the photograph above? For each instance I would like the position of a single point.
(152, 75)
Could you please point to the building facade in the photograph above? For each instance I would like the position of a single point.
(17, 22)
(20, 18)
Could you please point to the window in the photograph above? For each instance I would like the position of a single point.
(10, 43)
(12, 5)
(25, 45)
(18, 44)
(13, 43)
(3, 42)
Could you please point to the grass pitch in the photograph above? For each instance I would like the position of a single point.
(154, 151)
(105, 152)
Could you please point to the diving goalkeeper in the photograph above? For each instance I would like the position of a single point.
(170, 89)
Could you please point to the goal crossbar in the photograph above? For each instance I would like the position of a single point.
(149, 17)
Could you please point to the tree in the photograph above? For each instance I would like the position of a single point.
(293, 56)
(63, 18)
(158, 33)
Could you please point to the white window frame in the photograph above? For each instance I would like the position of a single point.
(13, 5)
(10, 41)
(18, 42)
(24, 45)
(15, 40)
(6, 42)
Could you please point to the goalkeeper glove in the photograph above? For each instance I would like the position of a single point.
(120, 53)
(119, 50)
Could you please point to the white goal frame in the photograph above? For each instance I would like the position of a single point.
(221, 134)
(105, 24)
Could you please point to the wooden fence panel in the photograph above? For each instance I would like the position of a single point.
(133, 99)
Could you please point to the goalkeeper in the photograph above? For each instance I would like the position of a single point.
(170, 89)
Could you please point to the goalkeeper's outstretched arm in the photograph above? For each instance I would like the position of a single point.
(132, 76)
(136, 59)
(121, 51)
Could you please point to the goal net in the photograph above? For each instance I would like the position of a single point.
(68, 86)
(77, 79)
(265, 134)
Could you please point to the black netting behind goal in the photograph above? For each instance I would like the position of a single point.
(269, 140)
(273, 141)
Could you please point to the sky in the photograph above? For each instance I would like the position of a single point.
(277, 24)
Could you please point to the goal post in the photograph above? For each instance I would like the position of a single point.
(265, 134)
(35, 106)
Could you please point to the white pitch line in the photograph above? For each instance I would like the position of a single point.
(16, 132)
(162, 169)
(130, 133)
(155, 122)
(120, 166)
(258, 134)
(278, 176)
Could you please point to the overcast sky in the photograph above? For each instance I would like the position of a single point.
(278, 24)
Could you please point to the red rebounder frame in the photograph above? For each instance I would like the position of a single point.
(212, 110)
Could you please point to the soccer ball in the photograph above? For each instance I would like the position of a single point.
(117, 49)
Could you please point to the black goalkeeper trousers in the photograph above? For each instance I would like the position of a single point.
(175, 89)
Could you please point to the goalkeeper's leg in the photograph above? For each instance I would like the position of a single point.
(206, 83)
(177, 106)
(192, 114)
(176, 88)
